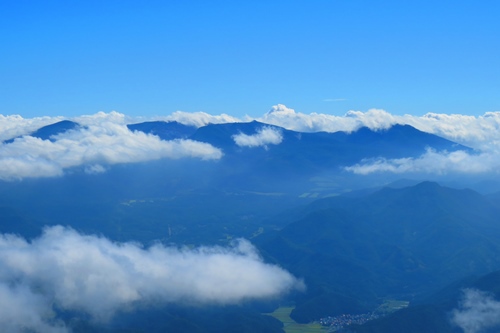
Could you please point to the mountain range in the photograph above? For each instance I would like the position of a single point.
(263, 157)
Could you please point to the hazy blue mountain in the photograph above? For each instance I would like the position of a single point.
(165, 130)
(289, 166)
(393, 242)
(172, 319)
(394, 141)
(301, 156)
(327, 149)
(46, 132)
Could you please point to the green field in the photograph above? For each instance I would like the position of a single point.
(290, 326)
(390, 306)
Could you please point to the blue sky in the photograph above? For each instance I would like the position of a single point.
(241, 57)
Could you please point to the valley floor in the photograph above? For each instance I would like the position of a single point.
(290, 326)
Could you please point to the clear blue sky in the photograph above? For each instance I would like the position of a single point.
(241, 57)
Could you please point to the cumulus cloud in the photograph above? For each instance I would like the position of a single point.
(199, 119)
(265, 136)
(282, 116)
(65, 270)
(14, 125)
(431, 162)
(104, 140)
(479, 132)
(477, 312)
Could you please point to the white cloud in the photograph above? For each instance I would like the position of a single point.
(101, 117)
(94, 169)
(25, 311)
(265, 136)
(199, 119)
(96, 276)
(14, 125)
(100, 142)
(478, 311)
(431, 162)
(475, 131)
(285, 117)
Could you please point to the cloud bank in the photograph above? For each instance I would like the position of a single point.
(265, 136)
(431, 162)
(103, 141)
(65, 270)
(478, 311)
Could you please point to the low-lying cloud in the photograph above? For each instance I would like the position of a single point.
(477, 312)
(265, 136)
(99, 143)
(68, 271)
(431, 162)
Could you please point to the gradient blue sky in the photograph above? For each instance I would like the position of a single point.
(241, 57)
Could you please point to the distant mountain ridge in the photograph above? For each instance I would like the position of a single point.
(287, 163)
(396, 141)
(164, 130)
(300, 155)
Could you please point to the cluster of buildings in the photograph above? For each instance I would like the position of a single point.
(339, 322)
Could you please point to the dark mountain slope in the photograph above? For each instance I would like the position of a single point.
(435, 314)
(396, 242)
(165, 130)
(46, 132)
(301, 156)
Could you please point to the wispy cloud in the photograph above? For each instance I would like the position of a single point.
(265, 136)
(478, 311)
(92, 275)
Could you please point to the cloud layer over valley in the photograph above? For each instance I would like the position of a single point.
(68, 271)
